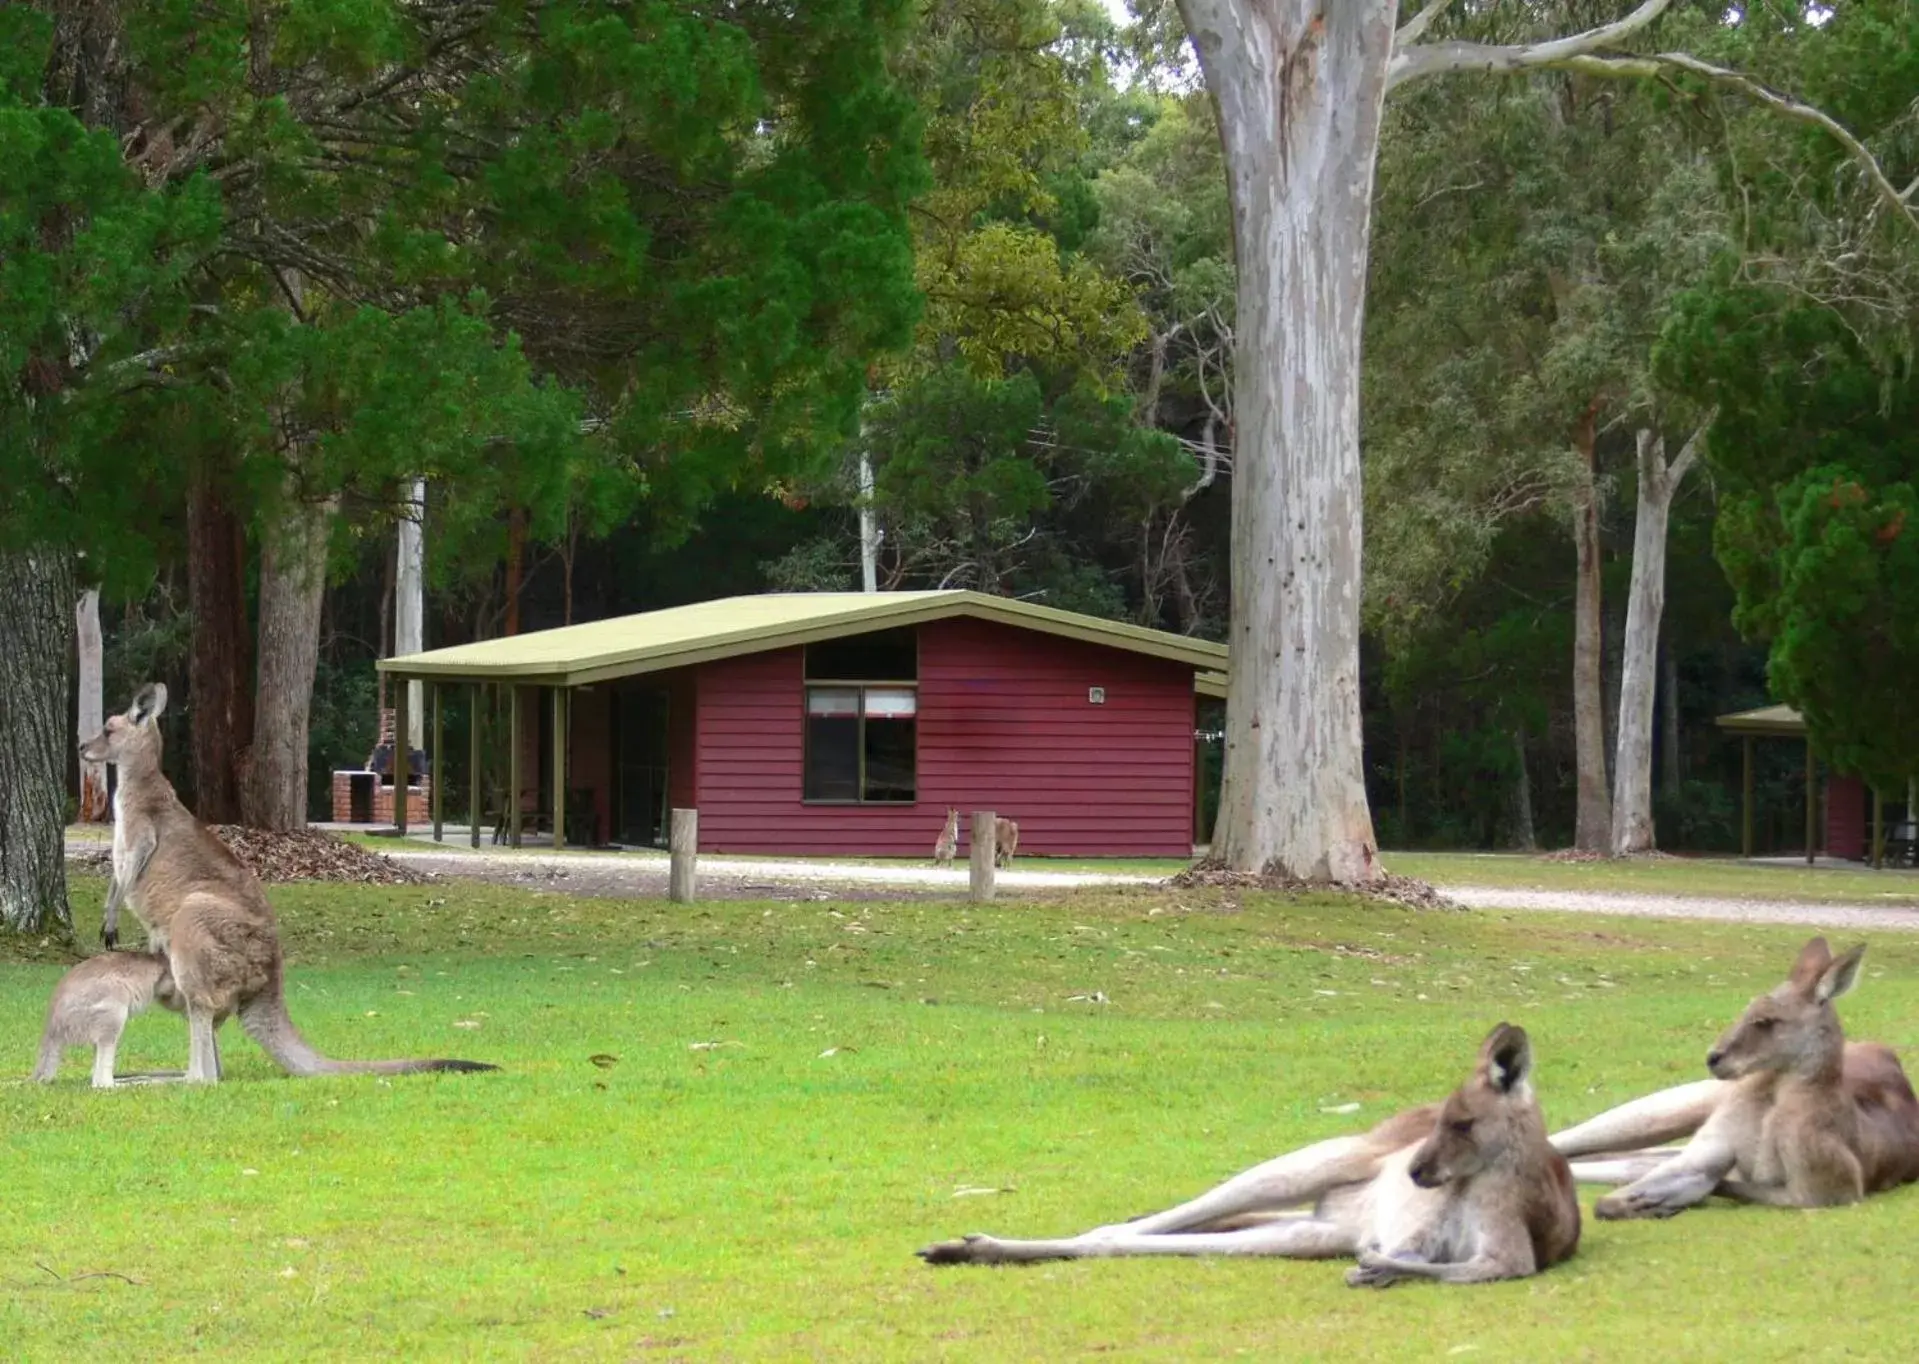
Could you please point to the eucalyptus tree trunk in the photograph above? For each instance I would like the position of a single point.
(293, 566)
(1632, 828)
(219, 664)
(1299, 87)
(91, 706)
(1593, 819)
(36, 649)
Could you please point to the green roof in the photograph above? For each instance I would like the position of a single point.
(1765, 720)
(652, 641)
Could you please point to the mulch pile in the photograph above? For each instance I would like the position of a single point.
(1398, 890)
(311, 855)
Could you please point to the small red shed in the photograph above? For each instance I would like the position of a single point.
(847, 723)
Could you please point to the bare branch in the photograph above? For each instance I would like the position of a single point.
(1409, 61)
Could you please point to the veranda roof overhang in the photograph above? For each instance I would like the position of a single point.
(1783, 721)
(654, 641)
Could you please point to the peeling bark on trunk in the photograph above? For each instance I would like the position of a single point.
(1299, 88)
(1632, 830)
(91, 707)
(1593, 821)
(293, 563)
(36, 646)
(219, 685)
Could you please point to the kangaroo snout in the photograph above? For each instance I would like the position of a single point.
(1423, 1175)
(1713, 1060)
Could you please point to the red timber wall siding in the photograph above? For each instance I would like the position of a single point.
(1848, 818)
(682, 741)
(1004, 725)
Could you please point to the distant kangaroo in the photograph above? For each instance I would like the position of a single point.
(91, 1006)
(203, 910)
(1005, 842)
(1465, 1191)
(1796, 1117)
(947, 844)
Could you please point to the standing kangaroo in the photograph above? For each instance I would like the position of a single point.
(1005, 842)
(946, 846)
(203, 910)
(1796, 1117)
(91, 1006)
(1464, 1191)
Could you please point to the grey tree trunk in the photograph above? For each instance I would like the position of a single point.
(1593, 818)
(1524, 839)
(37, 645)
(92, 706)
(1299, 87)
(293, 564)
(1632, 830)
(409, 605)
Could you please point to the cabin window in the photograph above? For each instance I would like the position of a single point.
(876, 656)
(861, 743)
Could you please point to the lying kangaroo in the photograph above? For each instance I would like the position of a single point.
(1465, 1191)
(91, 1006)
(1797, 1116)
(202, 910)
(1005, 842)
(947, 844)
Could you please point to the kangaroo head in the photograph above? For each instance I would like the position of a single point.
(1479, 1120)
(133, 735)
(1793, 1028)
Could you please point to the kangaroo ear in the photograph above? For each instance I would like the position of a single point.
(1506, 1057)
(1841, 976)
(148, 703)
(1813, 960)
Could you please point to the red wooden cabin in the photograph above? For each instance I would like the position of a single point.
(847, 723)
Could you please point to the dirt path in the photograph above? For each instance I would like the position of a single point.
(1812, 913)
(639, 875)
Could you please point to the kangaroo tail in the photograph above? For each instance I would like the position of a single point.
(49, 1063)
(265, 1019)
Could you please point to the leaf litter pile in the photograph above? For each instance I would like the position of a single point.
(310, 855)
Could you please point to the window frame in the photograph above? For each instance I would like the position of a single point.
(860, 686)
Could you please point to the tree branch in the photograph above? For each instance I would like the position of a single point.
(1415, 28)
(1689, 452)
(1409, 61)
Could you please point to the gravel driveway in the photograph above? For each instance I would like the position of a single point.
(644, 875)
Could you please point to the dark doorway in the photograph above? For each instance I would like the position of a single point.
(640, 716)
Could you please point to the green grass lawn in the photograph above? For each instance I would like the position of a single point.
(1712, 877)
(802, 1090)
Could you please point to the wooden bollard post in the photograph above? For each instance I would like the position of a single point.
(685, 845)
(985, 844)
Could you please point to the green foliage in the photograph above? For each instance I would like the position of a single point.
(1530, 237)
